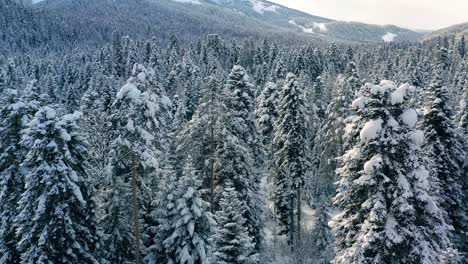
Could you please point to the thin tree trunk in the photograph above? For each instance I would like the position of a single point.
(212, 160)
(135, 213)
(298, 214)
(291, 224)
(212, 184)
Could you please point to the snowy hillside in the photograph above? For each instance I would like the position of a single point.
(455, 30)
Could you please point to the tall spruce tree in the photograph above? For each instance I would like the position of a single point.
(231, 242)
(189, 220)
(444, 146)
(57, 221)
(388, 213)
(290, 144)
(13, 116)
(235, 155)
(139, 121)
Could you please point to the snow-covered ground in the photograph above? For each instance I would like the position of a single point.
(195, 2)
(389, 37)
(261, 7)
(316, 27)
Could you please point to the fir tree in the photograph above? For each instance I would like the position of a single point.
(388, 213)
(57, 222)
(189, 220)
(266, 111)
(231, 241)
(139, 121)
(444, 147)
(235, 155)
(14, 117)
(290, 143)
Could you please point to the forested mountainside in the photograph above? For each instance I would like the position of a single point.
(60, 24)
(126, 144)
(457, 31)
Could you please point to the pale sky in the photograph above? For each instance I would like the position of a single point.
(413, 14)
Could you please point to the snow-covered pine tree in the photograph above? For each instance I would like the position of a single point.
(290, 157)
(237, 150)
(57, 221)
(32, 98)
(139, 125)
(199, 136)
(266, 112)
(388, 213)
(231, 242)
(329, 139)
(13, 116)
(161, 216)
(444, 147)
(189, 220)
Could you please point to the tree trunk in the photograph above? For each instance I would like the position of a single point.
(212, 157)
(298, 214)
(135, 213)
(291, 222)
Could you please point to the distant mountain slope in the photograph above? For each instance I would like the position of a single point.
(238, 18)
(329, 29)
(55, 24)
(455, 30)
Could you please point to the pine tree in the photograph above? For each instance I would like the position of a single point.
(329, 140)
(163, 205)
(139, 121)
(117, 56)
(444, 147)
(290, 144)
(200, 136)
(388, 213)
(462, 46)
(189, 220)
(231, 242)
(266, 111)
(238, 147)
(57, 222)
(13, 116)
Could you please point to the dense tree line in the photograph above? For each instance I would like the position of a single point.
(228, 146)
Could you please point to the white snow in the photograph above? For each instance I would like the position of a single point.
(417, 137)
(351, 154)
(392, 122)
(195, 2)
(391, 230)
(166, 101)
(320, 26)
(142, 76)
(389, 37)
(49, 112)
(304, 29)
(360, 102)
(398, 96)
(374, 163)
(130, 91)
(409, 117)
(371, 130)
(422, 175)
(130, 126)
(261, 7)
(75, 189)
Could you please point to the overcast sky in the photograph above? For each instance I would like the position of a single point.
(414, 14)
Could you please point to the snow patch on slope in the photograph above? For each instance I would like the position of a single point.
(304, 29)
(316, 26)
(260, 7)
(195, 2)
(320, 26)
(389, 37)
